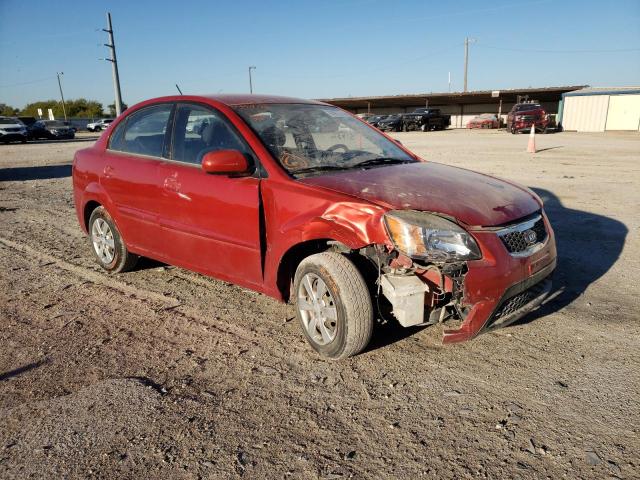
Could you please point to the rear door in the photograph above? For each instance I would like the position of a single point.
(130, 175)
(210, 223)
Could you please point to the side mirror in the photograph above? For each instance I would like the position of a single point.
(225, 162)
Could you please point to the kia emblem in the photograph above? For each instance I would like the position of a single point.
(530, 237)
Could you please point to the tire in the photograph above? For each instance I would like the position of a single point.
(120, 259)
(513, 130)
(347, 296)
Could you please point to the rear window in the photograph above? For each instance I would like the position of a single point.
(143, 132)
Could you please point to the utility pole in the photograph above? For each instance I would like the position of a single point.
(64, 108)
(114, 63)
(449, 82)
(250, 82)
(467, 41)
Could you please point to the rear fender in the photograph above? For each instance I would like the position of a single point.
(94, 192)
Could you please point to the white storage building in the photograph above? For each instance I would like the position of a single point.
(601, 109)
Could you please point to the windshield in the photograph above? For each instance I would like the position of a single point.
(309, 139)
(527, 107)
(9, 121)
(54, 123)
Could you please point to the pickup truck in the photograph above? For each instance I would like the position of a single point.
(426, 119)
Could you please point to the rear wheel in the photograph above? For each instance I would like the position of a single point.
(333, 305)
(107, 243)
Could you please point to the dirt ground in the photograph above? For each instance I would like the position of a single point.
(163, 373)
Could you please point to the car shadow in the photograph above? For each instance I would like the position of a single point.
(43, 172)
(588, 246)
(64, 140)
(145, 263)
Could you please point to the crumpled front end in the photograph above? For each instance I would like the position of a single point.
(512, 278)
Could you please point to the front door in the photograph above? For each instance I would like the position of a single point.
(209, 223)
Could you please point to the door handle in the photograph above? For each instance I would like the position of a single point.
(107, 172)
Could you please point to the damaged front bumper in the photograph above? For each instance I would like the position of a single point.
(484, 294)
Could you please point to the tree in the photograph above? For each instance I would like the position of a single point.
(112, 109)
(8, 110)
(80, 107)
(31, 110)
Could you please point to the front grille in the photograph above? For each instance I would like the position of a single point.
(519, 238)
(515, 303)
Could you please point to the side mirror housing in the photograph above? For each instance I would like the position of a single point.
(225, 162)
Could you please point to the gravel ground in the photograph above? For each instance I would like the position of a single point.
(161, 372)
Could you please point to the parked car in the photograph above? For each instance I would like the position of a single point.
(348, 225)
(523, 115)
(32, 126)
(12, 130)
(426, 119)
(486, 120)
(375, 120)
(391, 123)
(99, 125)
(365, 116)
(52, 130)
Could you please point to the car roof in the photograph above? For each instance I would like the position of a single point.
(234, 99)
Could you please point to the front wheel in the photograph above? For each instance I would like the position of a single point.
(107, 243)
(333, 305)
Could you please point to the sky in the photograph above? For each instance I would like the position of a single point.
(312, 49)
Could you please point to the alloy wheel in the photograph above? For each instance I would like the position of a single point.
(102, 239)
(317, 309)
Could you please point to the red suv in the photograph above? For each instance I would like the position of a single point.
(306, 203)
(523, 115)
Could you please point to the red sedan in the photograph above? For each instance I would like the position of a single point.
(306, 203)
(486, 120)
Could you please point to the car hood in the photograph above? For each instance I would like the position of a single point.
(472, 198)
(11, 125)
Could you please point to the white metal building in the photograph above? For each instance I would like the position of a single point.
(601, 109)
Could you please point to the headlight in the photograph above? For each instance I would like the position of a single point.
(428, 237)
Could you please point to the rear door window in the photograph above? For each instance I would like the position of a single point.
(143, 132)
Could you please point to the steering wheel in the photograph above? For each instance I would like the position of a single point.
(336, 146)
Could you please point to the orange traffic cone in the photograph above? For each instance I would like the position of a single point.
(531, 148)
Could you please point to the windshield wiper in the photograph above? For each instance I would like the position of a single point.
(381, 161)
(320, 168)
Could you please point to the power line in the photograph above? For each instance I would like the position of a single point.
(525, 50)
(27, 83)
